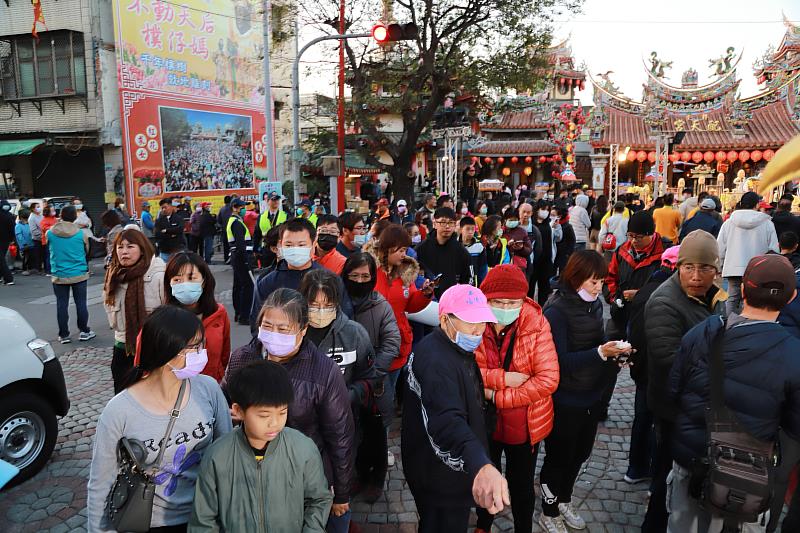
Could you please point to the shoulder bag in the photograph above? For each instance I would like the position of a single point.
(490, 409)
(738, 485)
(129, 505)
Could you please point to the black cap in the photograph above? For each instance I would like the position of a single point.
(641, 223)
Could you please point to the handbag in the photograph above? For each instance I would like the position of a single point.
(489, 408)
(609, 243)
(129, 505)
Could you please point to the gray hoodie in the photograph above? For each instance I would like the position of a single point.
(579, 218)
(746, 234)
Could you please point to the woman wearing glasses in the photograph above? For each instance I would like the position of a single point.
(173, 354)
(321, 406)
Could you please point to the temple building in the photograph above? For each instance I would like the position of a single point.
(522, 140)
(708, 132)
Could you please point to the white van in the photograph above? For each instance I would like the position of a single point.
(32, 395)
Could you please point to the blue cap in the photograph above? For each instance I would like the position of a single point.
(237, 202)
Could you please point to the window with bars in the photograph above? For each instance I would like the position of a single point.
(54, 65)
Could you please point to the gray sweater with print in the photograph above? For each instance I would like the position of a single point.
(203, 420)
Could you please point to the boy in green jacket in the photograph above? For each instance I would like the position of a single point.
(262, 476)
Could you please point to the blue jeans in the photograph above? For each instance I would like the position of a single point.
(62, 307)
(338, 524)
(208, 248)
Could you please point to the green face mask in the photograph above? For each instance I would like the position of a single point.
(506, 316)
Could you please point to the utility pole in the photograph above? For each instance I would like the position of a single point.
(268, 105)
(340, 202)
(297, 152)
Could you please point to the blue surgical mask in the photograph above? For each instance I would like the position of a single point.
(296, 256)
(468, 343)
(360, 240)
(299, 211)
(506, 316)
(511, 224)
(187, 292)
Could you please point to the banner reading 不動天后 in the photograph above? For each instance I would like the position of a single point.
(190, 81)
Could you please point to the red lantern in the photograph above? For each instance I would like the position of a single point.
(515, 160)
(686, 156)
(756, 156)
(527, 171)
(556, 158)
(487, 160)
(720, 156)
(506, 171)
(744, 155)
(674, 157)
(732, 156)
(542, 159)
(708, 157)
(768, 155)
(651, 156)
(697, 156)
(475, 159)
(529, 159)
(501, 160)
(641, 155)
(631, 156)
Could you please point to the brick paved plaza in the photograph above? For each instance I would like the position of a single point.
(55, 500)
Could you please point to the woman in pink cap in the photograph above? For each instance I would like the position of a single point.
(444, 441)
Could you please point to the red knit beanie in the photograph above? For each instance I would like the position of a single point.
(505, 281)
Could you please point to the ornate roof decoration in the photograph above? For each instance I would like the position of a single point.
(775, 67)
(712, 115)
(657, 66)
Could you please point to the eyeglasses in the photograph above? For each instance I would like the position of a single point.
(359, 228)
(635, 236)
(359, 278)
(703, 269)
(446, 223)
(334, 233)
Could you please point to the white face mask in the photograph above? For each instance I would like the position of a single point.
(586, 296)
(543, 214)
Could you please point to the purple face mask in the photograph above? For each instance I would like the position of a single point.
(277, 344)
(195, 363)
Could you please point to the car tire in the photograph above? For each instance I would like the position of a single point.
(28, 433)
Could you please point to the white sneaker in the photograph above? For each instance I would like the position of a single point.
(64, 340)
(571, 516)
(552, 524)
(87, 335)
(389, 458)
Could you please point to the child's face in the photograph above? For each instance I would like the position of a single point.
(262, 423)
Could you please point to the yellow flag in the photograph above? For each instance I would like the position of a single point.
(784, 166)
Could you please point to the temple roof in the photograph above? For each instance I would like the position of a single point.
(525, 119)
(525, 147)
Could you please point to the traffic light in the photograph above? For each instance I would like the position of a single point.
(387, 33)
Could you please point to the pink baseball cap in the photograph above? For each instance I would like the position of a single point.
(670, 256)
(467, 303)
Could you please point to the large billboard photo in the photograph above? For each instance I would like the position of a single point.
(191, 95)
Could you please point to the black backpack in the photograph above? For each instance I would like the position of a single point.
(738, 482)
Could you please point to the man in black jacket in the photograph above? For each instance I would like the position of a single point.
(444, 441)
(783, 219)
(6, 238)
(168, 230)
(441, 253)
(681, 302)
(761, 383)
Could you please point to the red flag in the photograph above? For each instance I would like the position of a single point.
(38, 16)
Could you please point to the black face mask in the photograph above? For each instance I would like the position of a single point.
(327, 242)
(358, 289)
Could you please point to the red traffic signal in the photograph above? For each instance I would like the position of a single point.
(386, 33)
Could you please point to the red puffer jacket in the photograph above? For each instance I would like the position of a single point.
(534, 354)
(217, 327)
(404, 298)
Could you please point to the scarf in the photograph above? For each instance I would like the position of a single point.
(133, 307)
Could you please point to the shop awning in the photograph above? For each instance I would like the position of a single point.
(19, 147)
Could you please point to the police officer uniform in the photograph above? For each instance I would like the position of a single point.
(241, 246)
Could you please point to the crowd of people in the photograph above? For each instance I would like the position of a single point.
(485, 330)
(202, 164)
